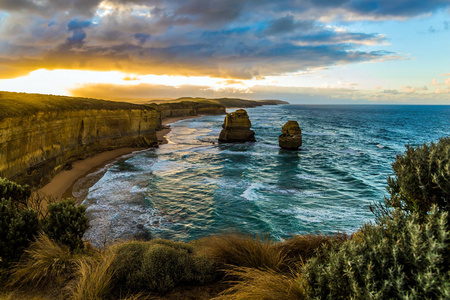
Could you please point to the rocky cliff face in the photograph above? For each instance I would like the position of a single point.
(35, 147)
(186, 108)
(291, 137)
(236, 128)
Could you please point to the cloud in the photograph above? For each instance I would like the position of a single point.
(391, 91)
(230, 39)
(410, 89)
(442, 87)
(325, 95)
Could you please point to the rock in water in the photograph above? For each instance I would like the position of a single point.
(236, 128)
(292, 136)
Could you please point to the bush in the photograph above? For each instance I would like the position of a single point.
(399, 258)
(66, 223)
(14, 191)
(159, 266)
(422, 178)
(243, 251)
(17, 229)
(43, 263)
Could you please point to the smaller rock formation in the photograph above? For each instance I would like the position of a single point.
(292, 136)
(236, 128)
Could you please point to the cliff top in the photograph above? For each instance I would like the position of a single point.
(21, 104)
(227, 102)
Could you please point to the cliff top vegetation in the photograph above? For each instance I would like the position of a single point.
(20, 104)
(227, 102)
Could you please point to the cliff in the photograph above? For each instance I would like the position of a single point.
(227, 102)
(39, 138)
(187, 108)
(42, 134)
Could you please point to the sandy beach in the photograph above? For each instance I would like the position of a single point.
(61, 185)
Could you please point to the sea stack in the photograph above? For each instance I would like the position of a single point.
(236, 128)
(291, 138)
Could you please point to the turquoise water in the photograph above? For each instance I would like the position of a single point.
(193, 186)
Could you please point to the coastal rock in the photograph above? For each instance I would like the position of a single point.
(236, 128)
(40, 135)
(292, 136)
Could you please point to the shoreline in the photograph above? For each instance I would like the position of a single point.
(62, 184)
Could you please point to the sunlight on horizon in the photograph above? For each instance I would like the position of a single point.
(62, 81)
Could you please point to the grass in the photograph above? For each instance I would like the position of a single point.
(226, 266)
(303, 247)
(93, 278)
(22, 104)
(243, 250)
(164, 269)
(44, 263)
(256, 284)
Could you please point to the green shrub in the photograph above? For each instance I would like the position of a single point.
(66, 223)
(14, 191)
(163, 267)
(402, 257)
(159, 266)
(17, 228)
(422, 178)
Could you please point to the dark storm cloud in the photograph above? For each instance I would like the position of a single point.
(287, 24)
(234, 38)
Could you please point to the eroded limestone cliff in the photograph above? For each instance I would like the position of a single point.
(42, 134)
(35, 147)
(291, 137)
(236, 128)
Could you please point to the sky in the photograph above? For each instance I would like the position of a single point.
(302, 51)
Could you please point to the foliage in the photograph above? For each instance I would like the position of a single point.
(243, 251)
(12, 190)
(402, 257)
(43, 263)
(422, 178)
(264, 284)
(66, 223)
(159, 266)
(17, 228)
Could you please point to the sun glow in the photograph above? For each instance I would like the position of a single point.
(60, 81)
(63, 81)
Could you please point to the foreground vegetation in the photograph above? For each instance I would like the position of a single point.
(405, 254)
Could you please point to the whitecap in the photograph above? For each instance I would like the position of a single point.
(251, 193)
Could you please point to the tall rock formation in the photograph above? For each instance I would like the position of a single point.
(291, 138)
(236, 128)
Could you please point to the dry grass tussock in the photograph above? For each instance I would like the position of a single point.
(93, 278)
(44, 263)
(243, 251)
(255, 284)
(303, 247)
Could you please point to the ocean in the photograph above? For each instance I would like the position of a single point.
(194, 187)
